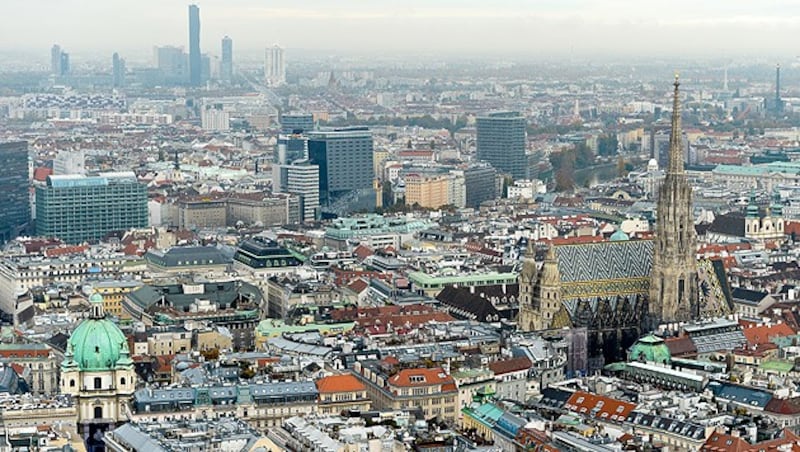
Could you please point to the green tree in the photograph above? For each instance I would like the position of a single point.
(607, 144)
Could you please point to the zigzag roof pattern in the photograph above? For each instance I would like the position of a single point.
(605, 261)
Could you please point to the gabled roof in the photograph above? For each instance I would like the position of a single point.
(599, 406)
(467, 305)
(358, 286)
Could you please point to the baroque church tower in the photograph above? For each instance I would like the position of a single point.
(674, 292)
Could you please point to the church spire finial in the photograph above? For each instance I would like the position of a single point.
(675, 143)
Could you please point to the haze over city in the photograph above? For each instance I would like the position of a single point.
(543, 28)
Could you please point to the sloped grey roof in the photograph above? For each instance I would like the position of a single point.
(136, 439)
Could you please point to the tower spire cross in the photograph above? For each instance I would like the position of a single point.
(675, 143)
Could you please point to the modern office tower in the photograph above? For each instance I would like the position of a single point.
(205, 68)
(79, 208)
(226, 66)
(173, 64)
(69, 162)
(778, 101)
(195, 58)
(117, 70)
(65, 67)
(303, 180)
(55, 60)
(14, 183)
(479, 183)
(344, 157)
(274, 66)
(297, 122)
(290, 148)
(501, 142)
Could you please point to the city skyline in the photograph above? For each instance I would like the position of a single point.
(540, 28)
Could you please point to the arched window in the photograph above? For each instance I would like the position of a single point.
(98, 382)
(72, 383)
(122, 381)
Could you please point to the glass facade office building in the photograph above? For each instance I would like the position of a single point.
(344, 157)
(14, 183)
(79, 208)
(501, 142)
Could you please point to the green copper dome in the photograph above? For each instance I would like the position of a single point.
(651, 349)
(619, 236)
(96, 344)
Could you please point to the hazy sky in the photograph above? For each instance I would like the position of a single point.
(531, 27)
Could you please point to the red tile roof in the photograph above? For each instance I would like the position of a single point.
(762, 334)
(358, 286)
(339, 383)
(722, 442)
(510, 365)
(784, 406)
(599, 406)
(65, 250)
(40, 174)
(681, 346)
(430, 377)
(24, 353)
(362, 252)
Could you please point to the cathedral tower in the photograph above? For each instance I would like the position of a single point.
(543, 290)
(527, 281)
(673, 286)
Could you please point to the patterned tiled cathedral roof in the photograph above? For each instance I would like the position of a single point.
(605, 261)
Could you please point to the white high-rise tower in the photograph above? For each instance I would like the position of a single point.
(274, 66)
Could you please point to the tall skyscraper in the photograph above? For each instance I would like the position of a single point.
(226, 65)
(117, 70)
(274, 66)
(79, 208)
(195, 58)
(501, 142)
(55, 60)
(14, 183)
(65, 67)
(778, 101)
(344, 157)
(674, 292)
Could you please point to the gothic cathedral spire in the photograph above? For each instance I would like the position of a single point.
(673, 286)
